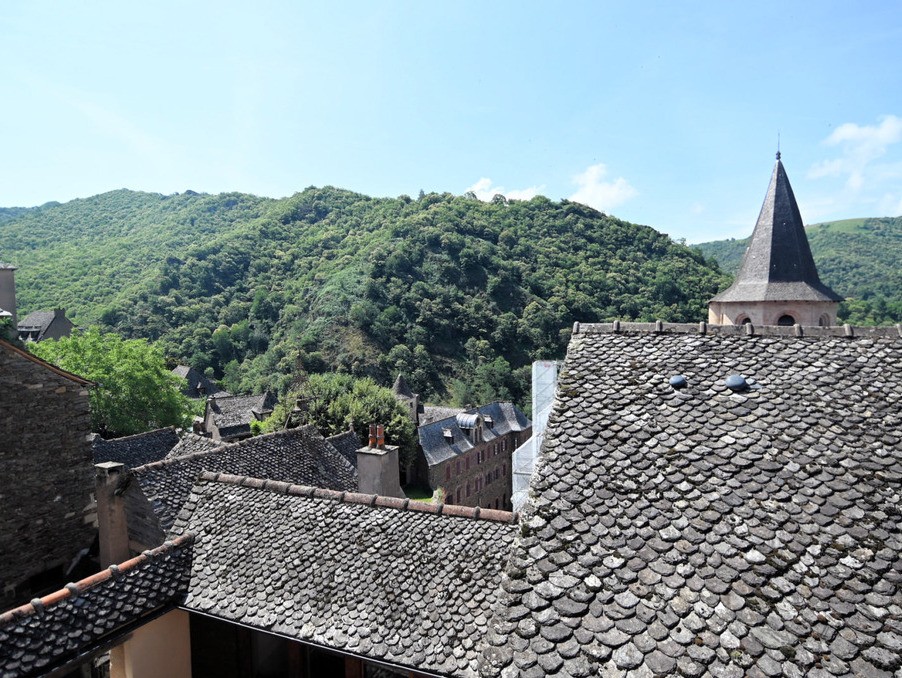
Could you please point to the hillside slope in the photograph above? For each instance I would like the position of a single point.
(859, 258)
(458, 294)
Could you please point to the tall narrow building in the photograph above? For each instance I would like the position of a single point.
(777, 283)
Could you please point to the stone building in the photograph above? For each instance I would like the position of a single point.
(229, 417)
(8, 292)
(45, 473)
(40, 325)
(777, 283)
(469, 454)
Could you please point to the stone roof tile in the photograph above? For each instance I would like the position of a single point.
(393, 580)
(722, 533)
(48, 633)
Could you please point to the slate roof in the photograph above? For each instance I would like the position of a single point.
(705, 532)
(299, 455)
(506, 417)
(778, 266)
(192, 443)
(88, 616)
(400, 388)
(232, 415)
(136, 450)
(397, 581)
(347, 444)
(36, 323)
(433, 413)
(197, 383)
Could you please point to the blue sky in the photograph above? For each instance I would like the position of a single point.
(661, 113)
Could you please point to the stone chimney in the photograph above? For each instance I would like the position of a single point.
(112, 524)
(8, 290)
(377, 466)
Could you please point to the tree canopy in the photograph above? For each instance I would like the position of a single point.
(459, 295)
(337, 402)
(134, 392)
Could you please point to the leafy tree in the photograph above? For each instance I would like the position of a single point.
(134, 392)
(335, 402)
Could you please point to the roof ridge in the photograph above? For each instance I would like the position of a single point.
(71, 590)
(747, 329)
(138, 435)
(455, 510)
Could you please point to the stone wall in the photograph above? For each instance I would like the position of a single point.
(477, 485)
(46, 474)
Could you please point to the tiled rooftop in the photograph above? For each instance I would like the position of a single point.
(347, 444)
(233, 414)
(298, 455)
(506, 417)
(192, 443)
(701, 531)
(136, 450)
(49, 632)
(399, 581)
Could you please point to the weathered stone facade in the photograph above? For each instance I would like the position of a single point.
(46, 473)
(481, 476)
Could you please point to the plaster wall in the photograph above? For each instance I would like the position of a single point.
(809, 313)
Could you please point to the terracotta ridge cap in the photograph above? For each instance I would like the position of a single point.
(75, 589)
(371, 500)
(703, 328)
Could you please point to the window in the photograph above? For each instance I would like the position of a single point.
(468, 489)
(497, 471)
(447, 471)
(458, 496)
(457, 467)
(468, 463)
(496, 503)
(786, 320)
(449, 499)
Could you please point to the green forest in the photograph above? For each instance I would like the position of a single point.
(859, 258)
(458, 294)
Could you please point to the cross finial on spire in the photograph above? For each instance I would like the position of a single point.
(778, 145)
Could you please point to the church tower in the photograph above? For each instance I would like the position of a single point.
(777, 283)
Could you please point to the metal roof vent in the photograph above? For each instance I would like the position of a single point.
(736, 383)
(678, 381)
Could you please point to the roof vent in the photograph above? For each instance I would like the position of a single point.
(736, 382)
(678, 381)
(448, 435)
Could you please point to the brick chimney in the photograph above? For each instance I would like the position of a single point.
(377, 466)
(112, 524)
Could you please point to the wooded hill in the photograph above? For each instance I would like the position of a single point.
(859, 258)
(457, 294)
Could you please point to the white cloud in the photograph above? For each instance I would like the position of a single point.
(859, 146)
(600, 194)
(485, 191)
(863, 176)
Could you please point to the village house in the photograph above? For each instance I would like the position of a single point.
(229, 417)
(468, 455)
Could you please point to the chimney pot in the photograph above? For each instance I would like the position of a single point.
(380, 437)
(372, 440)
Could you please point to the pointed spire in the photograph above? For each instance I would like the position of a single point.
(401, 388)
(778, 266)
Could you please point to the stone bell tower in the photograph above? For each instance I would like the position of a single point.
(777, 283)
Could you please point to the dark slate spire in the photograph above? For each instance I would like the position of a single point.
(778, 266)
(401, 388)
